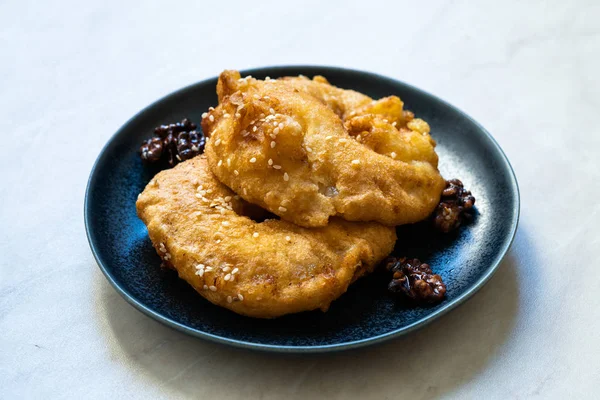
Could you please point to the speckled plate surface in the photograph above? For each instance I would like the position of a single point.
(366, 314)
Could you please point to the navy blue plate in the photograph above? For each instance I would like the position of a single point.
(366, 314)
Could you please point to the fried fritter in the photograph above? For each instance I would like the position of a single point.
(284, 150)
(261, 269)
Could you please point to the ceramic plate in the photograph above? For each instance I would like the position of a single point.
(366, 314)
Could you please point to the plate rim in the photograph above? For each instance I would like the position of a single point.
(353, 344)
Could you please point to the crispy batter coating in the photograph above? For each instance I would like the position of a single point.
(260, 269)
(285, 150)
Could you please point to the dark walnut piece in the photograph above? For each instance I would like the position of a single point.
(455, 208)
(174, 143)
(415, 280)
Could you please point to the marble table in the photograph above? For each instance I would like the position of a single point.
(72, 72)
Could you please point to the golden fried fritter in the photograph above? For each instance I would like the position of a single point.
(261, 269)
(286, 151)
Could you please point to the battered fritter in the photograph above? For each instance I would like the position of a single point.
(285, 150)
(261, 269)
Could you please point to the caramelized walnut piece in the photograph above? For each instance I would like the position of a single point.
(173, 143)
(415, 280)
(456, 207)
(151, 149)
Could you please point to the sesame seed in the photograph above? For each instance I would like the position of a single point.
(200, 266)
(281, 125)
(204, 115)
(195, 148)
(355, 162)
(225, 223)
(342, 140)
(211, 108)
(227, 277)
(240, 297)
(328, 137)
(208, 268)
(393, 154)
(385, 120)
(205, 287)
(211, 118)
(253, 160)
(266, 97)
(200, 273)
(209, 191)
(256, 96)
(218, 241)
(227, 198)
(226, 115)
(212, 288)
(229, 299)
(358, 137)
(245, 133)
(255, 234)
(254, 129)
(226, 269)
(308, 149)
(229, 162)
(220, 163)
(235, 171)
(232, 278)
(282, 209)
(245, 192)
(276, 131)
(270, 162)
(274, 122)
(177, 156)
(235, 271)
(262, 115)
(286, 177)
(394, 123)
(273, 144)
(237, 115)
(288, 238)
(271, 111)
(277, 166)
(217, 142)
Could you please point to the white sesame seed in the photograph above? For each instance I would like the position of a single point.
(227, 198)
(393, 154)
(256, 96)
(255, 234)
(210, 108)
(328, 137)
(200, 273)
(245, 133)
(266, 97)
(308, 149)
(217, 142)
(286, 177)
(200, 266)
(253, 160)
(254, 129)
(276, 131)
(220, 163)
(229, 162)
(282, 209)
(209, 191)
(288, 238)
(355, 162)
(195, 148)
(274, 122)
(271, 111)
(226, 115)
(358, 138)
(262, 115)
(226, 269)
(232, 278)
(240, 297)
(208, 268)
(273, 144)
(218, 241)
(229, 299)
(342, 140)
(270, 162)
(177, 156)
(235, 171)
(277, 166)
(211, 118)
(225, 223)
(212, 288)
(385, 120)
(281, 125)
(245, 192)
(227, 277)
(235, 271)
(237, 115)
(205, 287)
(394, 123)
(204, 115)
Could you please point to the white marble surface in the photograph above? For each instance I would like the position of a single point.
(73, 72)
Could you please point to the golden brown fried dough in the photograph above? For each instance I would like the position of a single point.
(286, 151)
(260, 269)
